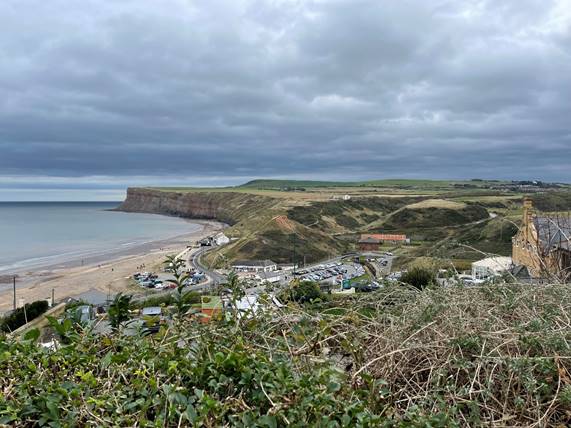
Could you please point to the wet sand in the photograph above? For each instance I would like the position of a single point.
(102, 274)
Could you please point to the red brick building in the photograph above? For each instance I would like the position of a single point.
(372, 242)
(369, 244)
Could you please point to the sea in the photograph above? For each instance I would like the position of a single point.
(40, 234)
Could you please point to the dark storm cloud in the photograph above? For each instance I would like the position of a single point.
(219, 91)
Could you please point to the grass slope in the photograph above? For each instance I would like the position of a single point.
(443, 222)
(390, 183)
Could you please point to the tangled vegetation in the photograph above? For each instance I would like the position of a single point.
(483, 356)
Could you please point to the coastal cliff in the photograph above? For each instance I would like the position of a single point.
(278, 225)
(259, 225)
(226, 207)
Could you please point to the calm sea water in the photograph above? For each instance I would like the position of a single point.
(35, 234)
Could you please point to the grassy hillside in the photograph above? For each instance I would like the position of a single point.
(389, 183)
(351, 215)
(292, 184)
(553, 201)
(332, 227)
(441, 217)
(430, 217)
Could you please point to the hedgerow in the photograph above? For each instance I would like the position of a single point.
(23, 315)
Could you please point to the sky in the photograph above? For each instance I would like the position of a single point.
(98, 95)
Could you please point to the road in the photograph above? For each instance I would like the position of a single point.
(193, 261)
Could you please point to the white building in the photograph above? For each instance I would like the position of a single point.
(271, 277)
(221, 239)
(492, 266)
(250, 304)
(255, 266)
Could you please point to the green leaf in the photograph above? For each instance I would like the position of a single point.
(32, 335)
(269, 420)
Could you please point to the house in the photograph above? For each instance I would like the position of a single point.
(521, 274)
(288, 266)
(271, 277)
(221, 239)
(210, 307)
(371, 242)
(255, 266)
(543, 244)
(206, 242)
(491, 266)
(152, 311)
(251, 304)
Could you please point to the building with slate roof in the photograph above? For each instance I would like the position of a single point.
(255, 266)
(542, 244)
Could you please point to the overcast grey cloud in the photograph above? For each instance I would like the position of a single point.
(98, 95)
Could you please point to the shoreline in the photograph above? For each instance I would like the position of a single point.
(107, 273)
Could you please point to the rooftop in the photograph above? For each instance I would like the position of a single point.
(369, 240)
(494, 263)
(553, 231)
(384, 237)
(257, 263)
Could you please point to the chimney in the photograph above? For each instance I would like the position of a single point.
(527, 210)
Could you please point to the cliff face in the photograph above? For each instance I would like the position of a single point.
(227, 207)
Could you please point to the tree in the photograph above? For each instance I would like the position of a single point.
(306, 291)
(119, 310)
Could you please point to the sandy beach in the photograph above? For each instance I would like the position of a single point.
(100, 275)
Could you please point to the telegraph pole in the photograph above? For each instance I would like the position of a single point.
(293, 253)
(14, 278)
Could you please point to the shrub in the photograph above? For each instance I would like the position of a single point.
(189, 297)
(23, 315)
(306, 291)
(419, 277)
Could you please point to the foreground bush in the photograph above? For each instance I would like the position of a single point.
(419, 277)
(218, 381)
(481, 356)
(23, 315)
